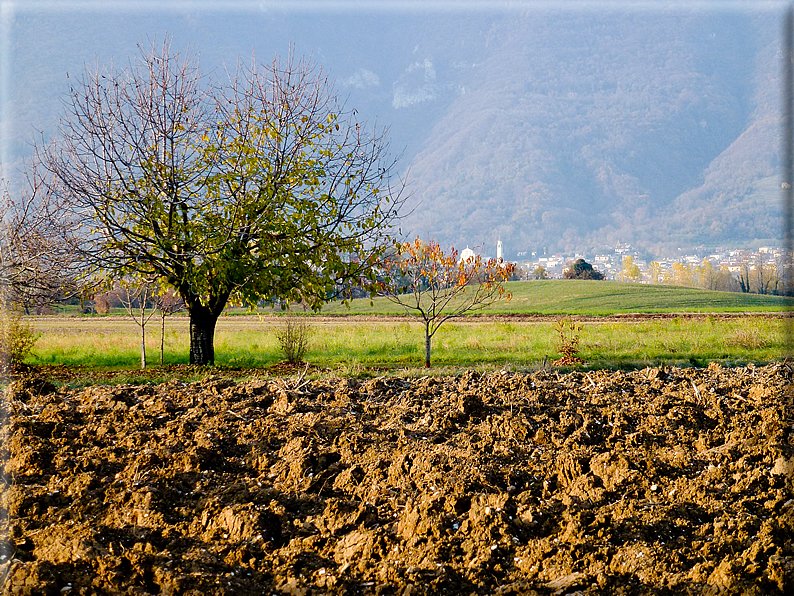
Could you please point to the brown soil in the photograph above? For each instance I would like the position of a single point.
(79, 375)
(675, 481)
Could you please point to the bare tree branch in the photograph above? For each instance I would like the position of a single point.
(39, 246)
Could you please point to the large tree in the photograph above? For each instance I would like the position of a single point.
(257, 186)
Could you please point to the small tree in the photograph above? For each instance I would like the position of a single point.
(705, 275)
(39, 263)
(630, 272)
(655, 272)
(767, 278)
(581, 269)
(568, 342)
(436, 287)
(168, 303)
(683, 275)
(103, 302)
(540, 272)
(135, 295)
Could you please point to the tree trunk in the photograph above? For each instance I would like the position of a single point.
(143, 347)
(143, 332)
(162, 338)
(202, 335)
(427, 345)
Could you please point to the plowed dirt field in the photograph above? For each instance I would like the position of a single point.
(674, 481)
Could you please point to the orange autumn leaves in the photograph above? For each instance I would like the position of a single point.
(435, 286)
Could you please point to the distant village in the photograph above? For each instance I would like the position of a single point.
(758, 271)
(611, 263)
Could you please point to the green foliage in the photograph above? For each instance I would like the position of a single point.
(581, 269)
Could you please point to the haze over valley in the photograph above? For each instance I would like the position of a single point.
(567, 130)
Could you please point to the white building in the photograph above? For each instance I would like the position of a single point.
(467, 254)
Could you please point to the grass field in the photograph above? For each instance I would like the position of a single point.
(352, 346)
(596, 298)
(356, 345)
(571, 297)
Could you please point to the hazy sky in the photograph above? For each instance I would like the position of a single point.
(43, 40)
(402, 63)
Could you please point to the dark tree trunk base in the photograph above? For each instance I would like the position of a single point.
(202, 336)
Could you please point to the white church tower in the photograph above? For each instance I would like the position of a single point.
(499, 250)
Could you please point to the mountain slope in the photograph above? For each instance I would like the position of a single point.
(582, 131)
(550, 129)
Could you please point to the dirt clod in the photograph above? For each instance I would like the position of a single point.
(659, 481)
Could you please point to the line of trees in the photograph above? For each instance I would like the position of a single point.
(753, 276)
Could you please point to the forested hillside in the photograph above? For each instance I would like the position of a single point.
(579, 131)
(554, 130)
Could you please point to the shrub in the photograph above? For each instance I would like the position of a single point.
(16, 338)
(102, 304)
(747, 338)
(293, 337)
(568, 342)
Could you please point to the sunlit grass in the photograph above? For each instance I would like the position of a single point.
(595, 298)
(357, 345)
